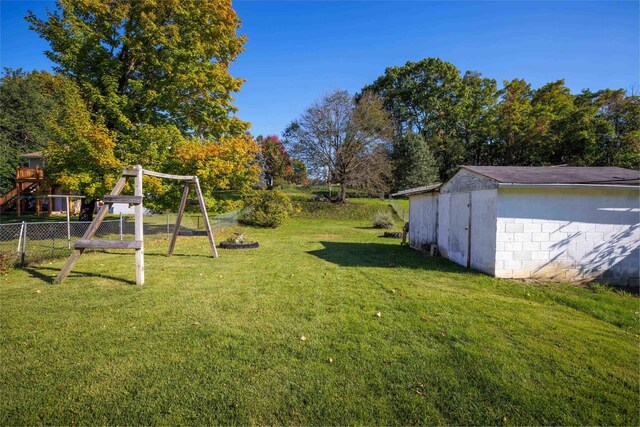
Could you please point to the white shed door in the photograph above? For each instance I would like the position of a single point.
(459, 215)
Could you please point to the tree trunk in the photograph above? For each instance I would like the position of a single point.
(87, 207)
(342, 197)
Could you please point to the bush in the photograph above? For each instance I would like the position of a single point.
(6, 260)
(383, 219)
(270, 208)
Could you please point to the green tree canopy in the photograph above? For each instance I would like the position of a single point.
(26, 100)
(155, 75)
(149, 61)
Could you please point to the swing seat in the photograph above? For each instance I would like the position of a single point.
(108, 244)
(131, 200)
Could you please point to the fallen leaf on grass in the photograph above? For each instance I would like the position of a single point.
(38, 291)
(330, 360)
(378, 314)
(196, 323)
(303, 338)
(442, 333)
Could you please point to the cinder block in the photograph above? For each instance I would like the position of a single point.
(504, 255)
(533, 227)
(594, 237)
(561, 254)
(521, 274)
(582, 248)
(569, 227)
(500, 226)
(522, 255)
(522, 237)
(499, 246)
(504, 273)
(512, 246)
(498, 265)
(512, 264)
(557, 236)
(514, 227)
(550, 227)
(540, 255)
(586, 226)
(504, 237)
(605, 228)
(530, 246)
(539, 237)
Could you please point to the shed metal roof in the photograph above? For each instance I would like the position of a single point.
(417, 190)
(558, 175)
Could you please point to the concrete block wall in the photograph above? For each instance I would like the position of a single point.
(568, 236)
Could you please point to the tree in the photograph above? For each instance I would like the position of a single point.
(27, 102)
(152, 68)
(336, 136)
(79, 153)
(149, 61)
(426, 97)
(414, 164)
(226, 164)
(298, 172)
(276, 161)
(379, 182)
(514, 123)
(552, 110)
(617, 121)
(476, 127)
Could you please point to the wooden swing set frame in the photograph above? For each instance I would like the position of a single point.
(136, 172)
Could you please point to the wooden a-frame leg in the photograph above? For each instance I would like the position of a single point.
(205, 217)
(139, 230)
(93, 227)
(176, 230)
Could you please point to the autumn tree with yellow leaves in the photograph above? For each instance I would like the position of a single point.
(155, 76)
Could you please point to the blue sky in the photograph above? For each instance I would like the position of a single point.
(299, 50)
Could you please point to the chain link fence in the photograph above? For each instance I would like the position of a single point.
(28, 242)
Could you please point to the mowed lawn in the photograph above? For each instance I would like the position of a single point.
(209, 341)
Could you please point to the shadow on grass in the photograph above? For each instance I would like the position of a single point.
(353, 254)
(164, 255)
(38, 274)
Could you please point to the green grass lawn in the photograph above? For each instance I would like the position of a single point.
(209, 341)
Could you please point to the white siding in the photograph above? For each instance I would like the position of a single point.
(443, 224)
(569, 234)
(423, 219)
(483, 230)
(459, 223)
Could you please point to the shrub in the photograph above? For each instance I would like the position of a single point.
(383, 219)
(269, 208)
(6, 259)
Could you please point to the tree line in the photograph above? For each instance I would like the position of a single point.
(417, 123)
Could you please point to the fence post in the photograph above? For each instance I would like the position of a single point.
(120, 225)
(19, 250)
(68, 223)
(24, 243)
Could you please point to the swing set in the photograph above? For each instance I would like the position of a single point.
(136, 172)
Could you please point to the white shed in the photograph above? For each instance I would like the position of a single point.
(561, 223)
